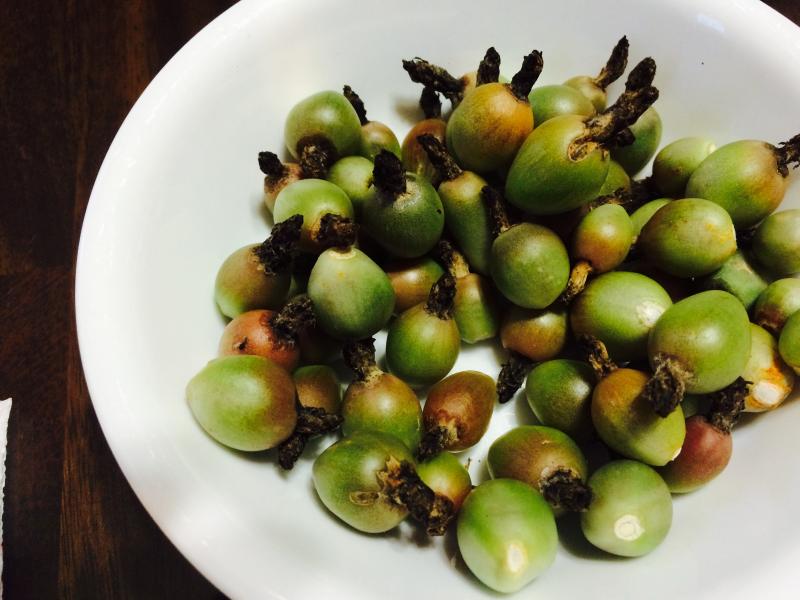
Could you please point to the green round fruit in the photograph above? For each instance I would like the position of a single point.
(506, 534)
(529, 265)
(376, 136)
(548, 101)
(631, 513)
(475, 308)
(318, 387)
(627, 423)
(616, 179)
(676, 162)
(708, 336)
(647, 136)
(244, 402)
(467, 219)
(644, 213)
(412, 280)
(559, 393)
(789, 344)
(352, 296)
(777, 302)
(446, 476)
(620, 309)
(536, 334)
(739, 277)
(777, 242)
(603, 238)
(242, 284)
(688, 238)
(328, 115)
(588, 88)
(353, 174)
(347, 478)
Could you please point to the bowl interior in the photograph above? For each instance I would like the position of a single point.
(180, 189)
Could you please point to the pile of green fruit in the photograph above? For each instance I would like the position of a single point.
(643, 315)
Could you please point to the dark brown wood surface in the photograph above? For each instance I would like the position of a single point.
(69, 72)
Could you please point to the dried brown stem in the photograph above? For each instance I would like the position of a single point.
(294, 318)
(788, 152)
(727, 404)
(522, 82)
(435, 77)
(615, 66)
(277, 251)
(597, 356)
(357, 103)
(336, 231)
(271, 166)
(389, 176)
(578, 277)
(311, 422)
(642, 75)
(430, 103)
(493, 200)
(564, 489)
(512, 375)
(665, 389)
(359, 357)
(489, 68)
(451, 259)
(441, 297)
(436, 440)
(316, 155)
(440, 158)
(404, 487)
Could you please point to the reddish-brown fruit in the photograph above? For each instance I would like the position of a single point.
(536, 334)
(252, 333)
(705, 453)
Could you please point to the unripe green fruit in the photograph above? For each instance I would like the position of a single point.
(776, 304)
(777, 242)
(688, 238)
(587, 87)
(353, 174)
(548, 101)
(346, 480)
(617, 178)
(603, 238)
(647, 136)
(620, 309)
(352, 296)
(544, 180)
(708, 335)
(536, 334)
(743, 178)
(475, 308)
(243, 285)
(559, 393)
(506, 534)
(313, 199)
(326, 114)
(676, 162)
(412, 281)
(244, 402)
(738, 277)
(645, 212)
(771, 381)
(529, 265)
(376, 136)
(467, 219)
(318, 387)
(626, 422)
(446, 476)
(631, 513)
(789, 343)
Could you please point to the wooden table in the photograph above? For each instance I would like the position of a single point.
(69, 73)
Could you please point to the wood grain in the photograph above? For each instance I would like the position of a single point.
(69, 73)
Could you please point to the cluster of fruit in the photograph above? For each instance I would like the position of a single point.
(516, 217)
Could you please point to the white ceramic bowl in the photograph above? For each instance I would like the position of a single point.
(180, 189)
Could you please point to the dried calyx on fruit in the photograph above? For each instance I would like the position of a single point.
(415, 159)
(375, 136)
(594, 88)
(277, 175)
(512, 375)
(312, 421)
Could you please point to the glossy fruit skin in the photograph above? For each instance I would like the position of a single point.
(688, 238)
(588, 88)
(318, 387)
(536, 334)
(777, 242)
(412, 280)
(743, 178)
(384, 404)
(777, 302)
(620, 309)
(675, 163)
(242, 285)
(789, 343)
(559, 393)
(548, 101)
(627, 423)
(349, 467)
(353, 174)
(251, 333)
(529, 453)
(543, 180)
(709, 333)
(603, 238)
(328, 114)
(352, 296)
(740, 277)
(467, 399)
(529, 265)
(467, 219)
(243, 402)
(629, 499)
(617, 178)
(376, 136)
(705, 454)
(506, 534)
(421, 348)
(487, 127)
(408, 226)
(647, 136)
(771, 379)
(644, 213)
(446, 476)
(415, 159)
(475, 308)
(312, 198)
